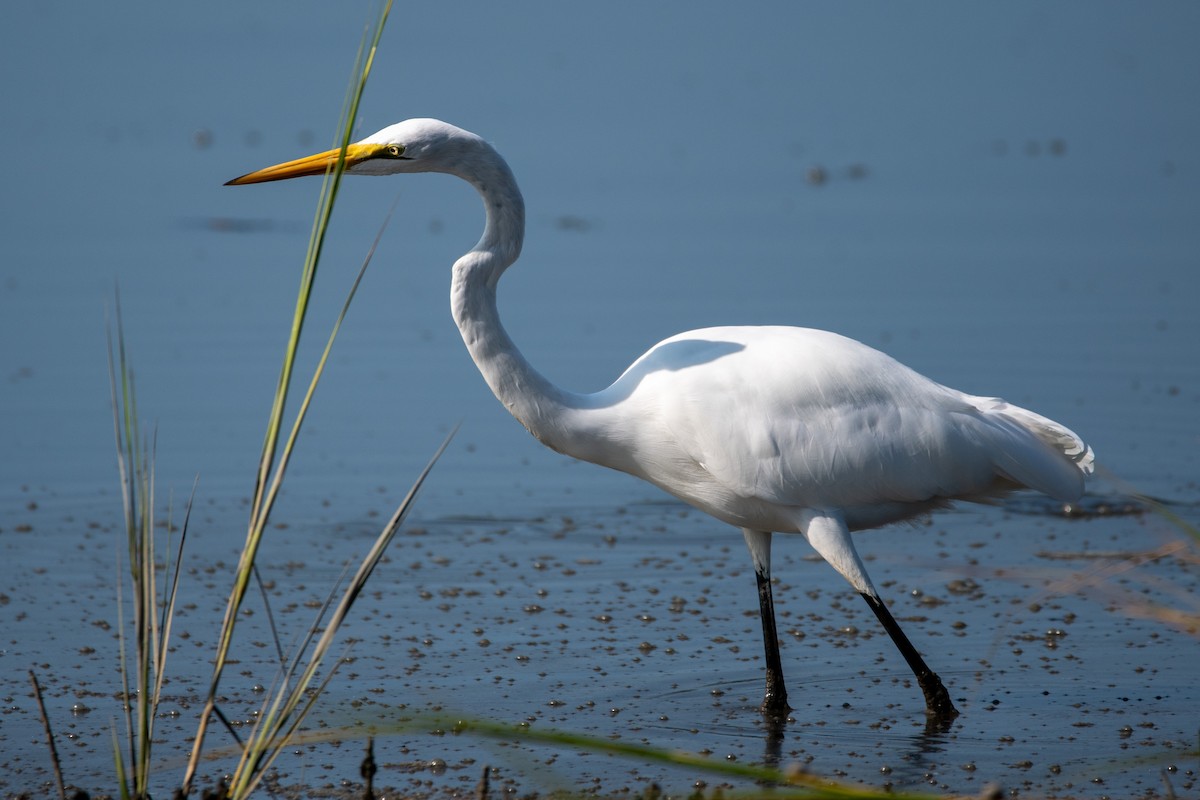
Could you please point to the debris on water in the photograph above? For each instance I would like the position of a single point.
(591, 670)
(964, 586)
(572, 223)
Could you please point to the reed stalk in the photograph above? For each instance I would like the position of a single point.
(142, 676)
(274, 461)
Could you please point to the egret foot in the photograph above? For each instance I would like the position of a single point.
(937, 700)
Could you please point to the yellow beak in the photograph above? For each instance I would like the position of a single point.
(318, 164)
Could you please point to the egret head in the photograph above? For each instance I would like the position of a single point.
(415, 145)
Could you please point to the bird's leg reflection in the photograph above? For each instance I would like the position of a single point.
(924, 752)
(775, 725)
(914, 755)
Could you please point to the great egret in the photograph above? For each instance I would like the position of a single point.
(770, 429)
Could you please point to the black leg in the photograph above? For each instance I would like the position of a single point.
(937, 699)
(775, 699)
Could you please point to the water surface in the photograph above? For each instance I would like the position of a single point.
(1009, 205)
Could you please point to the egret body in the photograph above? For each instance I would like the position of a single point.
(769, 429)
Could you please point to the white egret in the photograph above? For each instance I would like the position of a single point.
(770, 429)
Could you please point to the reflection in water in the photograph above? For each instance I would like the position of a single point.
(797, 740)
(920, 758)
(774, 733)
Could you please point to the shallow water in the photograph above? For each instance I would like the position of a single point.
(1010, 207)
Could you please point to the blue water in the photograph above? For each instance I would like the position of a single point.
(1012, 206)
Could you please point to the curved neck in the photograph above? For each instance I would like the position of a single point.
(538, 404)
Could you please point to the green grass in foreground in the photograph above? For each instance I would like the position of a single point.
(142, 672)
(286, 707)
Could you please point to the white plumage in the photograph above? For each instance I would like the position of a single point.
(751, 424)
(770, 429)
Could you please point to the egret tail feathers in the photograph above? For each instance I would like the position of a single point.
(1035, 451)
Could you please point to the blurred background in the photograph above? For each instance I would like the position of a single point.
(1003, 197)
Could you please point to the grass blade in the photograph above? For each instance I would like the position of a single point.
(280, 723)
(142, 676)
(37, 694)
(270, 474)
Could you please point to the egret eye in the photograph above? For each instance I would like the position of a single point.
(395, 150)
